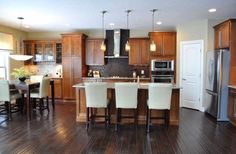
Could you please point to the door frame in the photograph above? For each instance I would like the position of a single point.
(182, 43)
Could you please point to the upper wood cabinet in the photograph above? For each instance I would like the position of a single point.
(165, 43)
(42, 50)
(73, 62)
(139, 51)
(222, 35)
(94, 55)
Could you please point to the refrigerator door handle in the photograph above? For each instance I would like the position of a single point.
(211, 93)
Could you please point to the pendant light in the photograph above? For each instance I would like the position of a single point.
(20, 49)
(127, 45)
(103, 45)
(153, 45)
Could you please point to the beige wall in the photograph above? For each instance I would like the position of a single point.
(16, 37)
(196, 30)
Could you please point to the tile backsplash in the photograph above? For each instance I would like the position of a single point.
(119, 67)
(52, 70)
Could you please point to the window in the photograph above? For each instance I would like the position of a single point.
(4, 64)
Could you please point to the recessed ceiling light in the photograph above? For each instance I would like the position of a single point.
(159, 22)
(67, 24)
(27, 26)
(212, 10)
(112, 24)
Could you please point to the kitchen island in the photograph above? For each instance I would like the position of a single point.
(142, 99)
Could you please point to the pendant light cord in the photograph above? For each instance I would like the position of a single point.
(103, 29)
(127, 19)
(153, 16)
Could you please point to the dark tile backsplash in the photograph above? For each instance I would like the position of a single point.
(119, 67)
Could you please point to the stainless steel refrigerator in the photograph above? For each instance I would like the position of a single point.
(217, 76)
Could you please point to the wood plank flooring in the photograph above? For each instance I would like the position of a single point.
(57, 132)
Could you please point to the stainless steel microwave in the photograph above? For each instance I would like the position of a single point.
(162, 65)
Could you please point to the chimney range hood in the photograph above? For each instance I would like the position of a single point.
(115, 41)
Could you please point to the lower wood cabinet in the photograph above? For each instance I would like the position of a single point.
(57, 88)
(232, 106)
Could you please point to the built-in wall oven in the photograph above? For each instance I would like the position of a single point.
(162, 71)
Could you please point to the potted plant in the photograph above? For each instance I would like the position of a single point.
(21, 73)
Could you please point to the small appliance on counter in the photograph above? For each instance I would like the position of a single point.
(90, 73)
(162, 71)
(96, 74)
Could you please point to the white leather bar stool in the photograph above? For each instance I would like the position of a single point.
(7, 95)
(126, 98)
(159, 98)
(96, 97)
(42, 93)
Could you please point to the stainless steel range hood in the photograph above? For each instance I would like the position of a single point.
(117, 43)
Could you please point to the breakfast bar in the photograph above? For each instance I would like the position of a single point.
(142, 104)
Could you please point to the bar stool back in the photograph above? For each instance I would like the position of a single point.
(96, 97)
(126, 98)
(159, 98)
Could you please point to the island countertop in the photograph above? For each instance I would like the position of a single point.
(143, 85)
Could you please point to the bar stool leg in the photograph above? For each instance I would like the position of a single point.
(148, 119)
(109, 114)
(9, 111)
(105, 117)
(47, 104)
(117, 119)
(87, 117)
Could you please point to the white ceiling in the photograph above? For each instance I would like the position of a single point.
(53, 15)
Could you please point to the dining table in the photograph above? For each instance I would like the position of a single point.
(26, 88)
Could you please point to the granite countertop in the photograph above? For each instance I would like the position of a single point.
(111, 86)
(232, 86)
(115, 78)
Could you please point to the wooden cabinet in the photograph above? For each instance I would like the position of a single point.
(165, 43)
(139, 51)
(57, 88)
(94, 55)
(222, 35)
(232, 106)
(73, 62)
(42, 50)
(225, 37)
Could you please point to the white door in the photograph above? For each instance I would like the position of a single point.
(191, 69)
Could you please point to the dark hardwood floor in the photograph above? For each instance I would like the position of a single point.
(57, 132)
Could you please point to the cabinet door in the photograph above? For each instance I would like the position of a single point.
(225, 35)
(49, 49)
(76, 46)
(89, 52)
(217, 38)
(38, 50)
(134, 52)
(67, 77)
(98, 53)
(169, 44)
(157, 38)
(76, 74)
(232, 106)
(28, 50)
(66, 46)
(144, 51)
(58, 53)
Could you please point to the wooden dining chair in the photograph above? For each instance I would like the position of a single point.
(159, 98)
(42, 93)
(7, 97)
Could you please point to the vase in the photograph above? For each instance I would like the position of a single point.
(22, 79)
